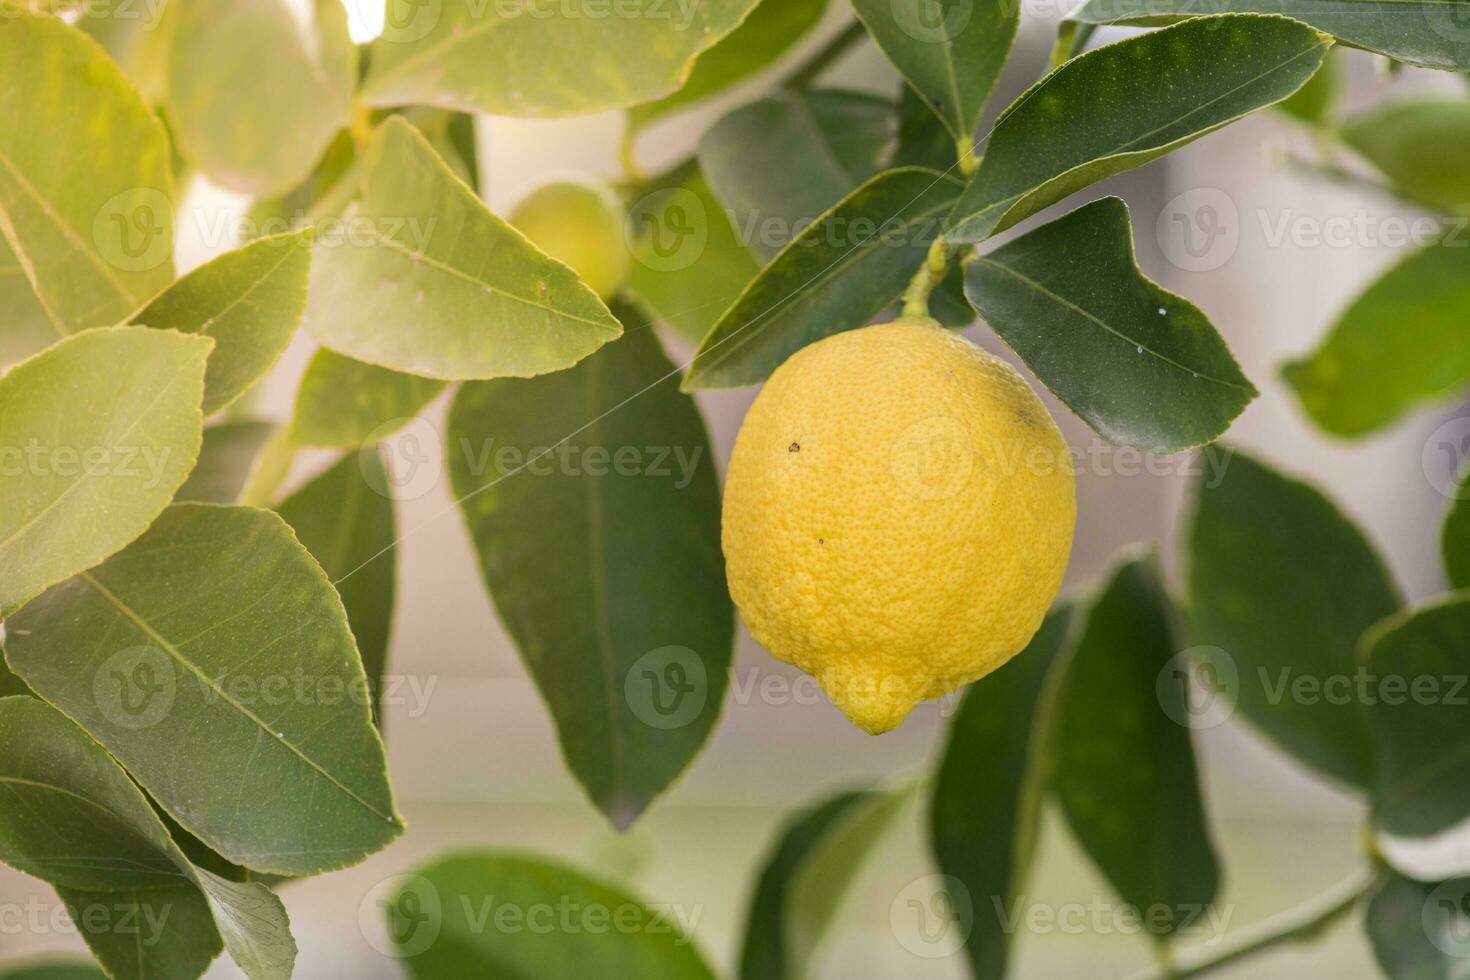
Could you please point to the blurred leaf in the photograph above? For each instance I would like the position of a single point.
(922, 140)
(602, 555)
(947, 304)
(1420, 659)
(1125, 770)
(138, 36)
(1315, 102)
(461, 54)
(1142, 366)
(1418, 929)
(280, 120)
(24, 328)
(842, 271)
(110, 423)
(218, 621)
(140, 935)
(986, 809)
(226, 460)
(1405, 340)
(345, 519)
(100, 833)
(249, 300)
(779, 163)
(1394, 138)
(768, 33)
(332, 185)
(445, 289)
(1430, 33)
(53, 971)
(1455, 538)
(1163, 90)
(689, 263)
(86, 188)
(1281, 586)
(439, 920)
(343, 403)
(951, 55)
(271, 467)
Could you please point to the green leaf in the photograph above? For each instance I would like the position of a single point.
(985, 813)
(342, 403)
(922, 140)
(443, 288)
(542, 59)
(226, 461)
(1315, 103)
(136, 36)
(779, 163)
(99, 431)
(1393, 138)
(1163, 90)
(54, 971)
(1142, 366)
(952, 57)
(248, 300)
(1125, 770)
(602, 555)
(1404, 341)
(1455, 537)
(345, 519)
(1419, 659)
(218, 621)
(438, 919)
(842, 271)
(769, 32)
(86, 187)
(280, 120)
(140, 935)
(99, 833)
(1281, 586)
(1418, 929)
(10, 685)
(689, 263)
(1430, 33)
(24, 328)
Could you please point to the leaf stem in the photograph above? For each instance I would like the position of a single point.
(807, 72)
(1305, 922)
(930, 274)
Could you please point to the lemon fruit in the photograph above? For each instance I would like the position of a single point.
(898, 515)
(581, 225)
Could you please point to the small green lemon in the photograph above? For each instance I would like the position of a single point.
(898, 516)
(581, 225)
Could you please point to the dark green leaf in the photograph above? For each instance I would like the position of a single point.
(1394, 138)
(1455, 538)
(105, 426)
(1419, 929)
(86, 188)
(550, 61)
(952, 55)
(1142, 366)
(1125, 770)
(54, 971)
(1421, 32)
(842, 271)
(142, 935)
(443, 288)
(1404, 341)
(1418, 660)
(343, 404)
(778, 164)
(922, 140)
(1281, 586)
(217, 621)
(770, 30)
(248, 300)
(439, 921)
(602, 554)
(225, 462)
(986, 809)
(345, 519)
(1122, 105)
(280, 119)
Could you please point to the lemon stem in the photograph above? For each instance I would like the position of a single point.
(930, 274)
(969, 162)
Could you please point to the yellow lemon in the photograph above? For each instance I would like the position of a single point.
(581, 225)
(898, 515)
